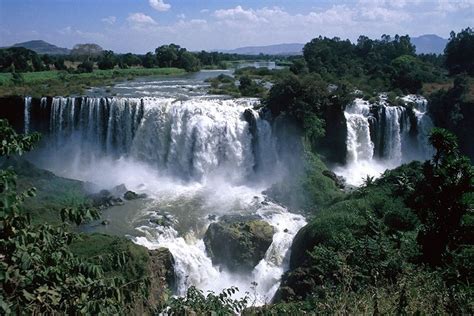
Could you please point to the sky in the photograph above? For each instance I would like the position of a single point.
(140, 26)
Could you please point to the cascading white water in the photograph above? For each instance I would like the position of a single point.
(27, 114)
(194, 267)
(378, 137)
(153, 145)
(359, 145)
(190, 139)
(423, 122)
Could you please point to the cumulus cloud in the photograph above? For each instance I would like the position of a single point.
(141, 19)
(159, 5)
(237, 13)
(109, 20)
(181, 16)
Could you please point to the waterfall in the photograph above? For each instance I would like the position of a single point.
(193, 158)
(190, 139)
(359, 145)
(27, 113)
(382, 136)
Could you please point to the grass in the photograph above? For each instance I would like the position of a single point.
(52, 192)
(53, 82)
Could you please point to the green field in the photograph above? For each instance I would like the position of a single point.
(52, 83)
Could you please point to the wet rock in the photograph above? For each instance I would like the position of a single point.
(105, 222)
(162, 266)
(338, 180)
(119, 190)
(101, 199)
(238, 242)
(116, 201)
(130, 195)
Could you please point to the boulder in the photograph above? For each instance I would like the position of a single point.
(130, 195)
(238, 242)
(119, 190)
(101, 199)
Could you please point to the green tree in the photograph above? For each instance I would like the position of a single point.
(167, 55)
(107, 60)
(86, 66)
(407, 73)
(439, 199)
(188, 61)
(459, 52)
(149, 60)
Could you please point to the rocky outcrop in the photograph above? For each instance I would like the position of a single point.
(106, 198)
(130, 195)
(238, 242)
(162, 274)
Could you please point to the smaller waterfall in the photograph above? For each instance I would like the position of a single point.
(381, 136)
(27, 115)
(424, 124)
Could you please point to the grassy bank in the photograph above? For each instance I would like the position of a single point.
(50, 83)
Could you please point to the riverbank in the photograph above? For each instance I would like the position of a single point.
(53, 82)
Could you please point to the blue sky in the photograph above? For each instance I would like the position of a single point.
(141, 25)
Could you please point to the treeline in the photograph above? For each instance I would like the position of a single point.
(86, 57)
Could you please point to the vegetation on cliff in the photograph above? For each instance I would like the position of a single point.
(46, 268)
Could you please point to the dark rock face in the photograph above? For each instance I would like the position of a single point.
(130, 195)
(105, 199)
(338, 180)
(333, 145)
(296, 285)
(162, 267)
(238, 242)
(12, 109)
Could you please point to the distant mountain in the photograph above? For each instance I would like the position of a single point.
(278, 49)
(429, 43)
(42, 47)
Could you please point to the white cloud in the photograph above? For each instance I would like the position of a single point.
(109, 20)
(237, 13)
(140, 19)
(159, 5)
(204, 11)
(384, 14)
(455, 5)
(181, 16)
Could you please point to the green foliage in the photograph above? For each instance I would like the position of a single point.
(18, 59)
(13, 143)
(86, 66)
(453, 109)
(38, 272)
(107, 60)
(371, 65)
(17, 78)
(459, 52)
(308, 189)
(406, 73)
(195, 302)
(249, 88)
(305, 98)
(439, 200)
